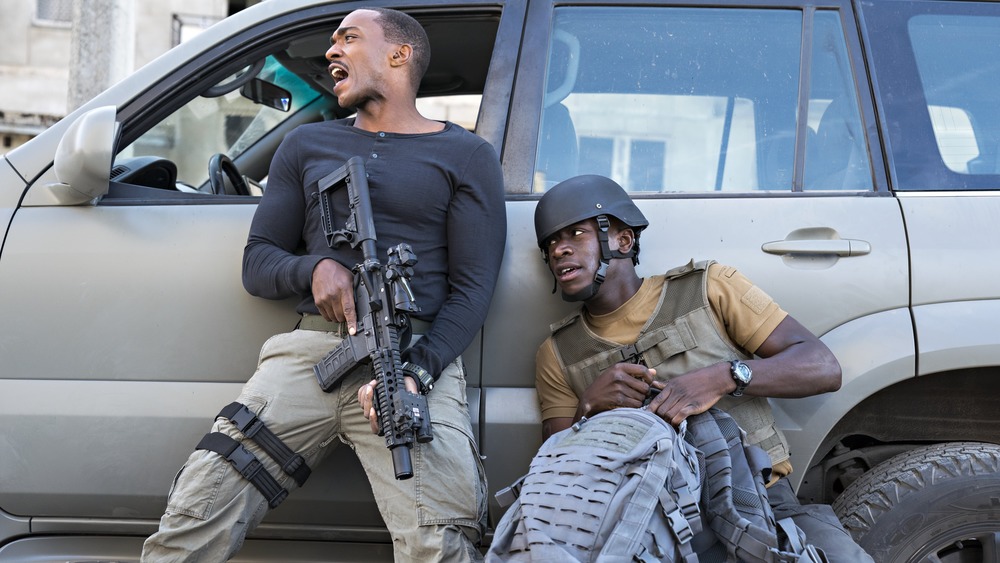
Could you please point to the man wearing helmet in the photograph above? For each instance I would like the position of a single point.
(699, 336)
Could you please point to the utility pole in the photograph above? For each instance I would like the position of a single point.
(102, 47)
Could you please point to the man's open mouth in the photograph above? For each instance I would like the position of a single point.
(566, 272)
(338, 74)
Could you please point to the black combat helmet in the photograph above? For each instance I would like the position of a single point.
(584, 197)
(588, 197)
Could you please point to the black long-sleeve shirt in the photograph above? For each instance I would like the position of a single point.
(440, 192)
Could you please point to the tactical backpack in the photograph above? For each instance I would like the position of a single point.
(734, 497)
(621, 486)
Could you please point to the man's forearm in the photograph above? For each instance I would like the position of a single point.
(273, 273)
(801, 370)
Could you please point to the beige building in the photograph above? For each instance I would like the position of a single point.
(42, 52)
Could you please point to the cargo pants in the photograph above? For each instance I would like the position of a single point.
(438, 515)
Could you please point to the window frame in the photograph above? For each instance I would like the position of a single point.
(522, 139)
(145, 111)
(906, 120)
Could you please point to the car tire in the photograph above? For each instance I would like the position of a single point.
(933, 503)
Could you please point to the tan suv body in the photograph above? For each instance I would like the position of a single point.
(845, 156)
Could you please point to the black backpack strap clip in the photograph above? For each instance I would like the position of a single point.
(253, 428)
(246, 464)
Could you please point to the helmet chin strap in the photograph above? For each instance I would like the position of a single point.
(603, 224)
(594, 287)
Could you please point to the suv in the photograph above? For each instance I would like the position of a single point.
(844, 155)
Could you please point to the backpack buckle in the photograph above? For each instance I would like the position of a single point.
(680, 526)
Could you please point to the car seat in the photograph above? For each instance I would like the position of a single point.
(836, 160)
(558, 146)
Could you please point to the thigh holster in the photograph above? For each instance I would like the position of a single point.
(246, 462)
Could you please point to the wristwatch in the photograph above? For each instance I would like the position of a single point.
(424, 379)
(742, 374)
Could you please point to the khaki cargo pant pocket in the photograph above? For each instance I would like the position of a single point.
(207, 479)
(197, 485)
(452, 486)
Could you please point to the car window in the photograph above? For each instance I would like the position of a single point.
(699, 100)
(836, 155)
(461, 110)
(957, 53)
(234, 126)
(229, 123)
(936, 66)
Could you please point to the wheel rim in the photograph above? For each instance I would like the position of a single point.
(969, 544)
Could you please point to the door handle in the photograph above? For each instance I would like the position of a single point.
(835, 247)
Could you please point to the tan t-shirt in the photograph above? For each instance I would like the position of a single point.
(742, 310)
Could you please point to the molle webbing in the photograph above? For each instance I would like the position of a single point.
(581, 351)
(621, 486)
(681, 335)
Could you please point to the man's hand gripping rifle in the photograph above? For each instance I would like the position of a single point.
(383, 301)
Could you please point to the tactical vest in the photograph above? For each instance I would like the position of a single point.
(681, 336)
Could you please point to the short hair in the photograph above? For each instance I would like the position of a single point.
(401, 28)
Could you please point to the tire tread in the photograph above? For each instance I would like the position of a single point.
(889, 483)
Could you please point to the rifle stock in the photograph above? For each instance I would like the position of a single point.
(383, 301)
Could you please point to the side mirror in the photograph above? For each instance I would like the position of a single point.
(268, 94)
(83, 160)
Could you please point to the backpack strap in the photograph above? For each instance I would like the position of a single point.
(682, 514)
(744, 539)
(807, 553)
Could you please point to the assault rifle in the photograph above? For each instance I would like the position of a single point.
(383, 301)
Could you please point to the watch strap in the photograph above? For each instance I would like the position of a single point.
(423, 377)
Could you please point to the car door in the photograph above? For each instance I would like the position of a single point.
(936, 65)
(125, 327)
(745, 135)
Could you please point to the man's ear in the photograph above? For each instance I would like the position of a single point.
(625, 239)
(401, 55)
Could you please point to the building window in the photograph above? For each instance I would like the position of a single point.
(597, 155)
(186, 26)
(646, 165)
(54, 12)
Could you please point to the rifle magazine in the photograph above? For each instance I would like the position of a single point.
(332, 368)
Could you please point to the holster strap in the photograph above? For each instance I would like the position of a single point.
(253, 428)
(246, 464)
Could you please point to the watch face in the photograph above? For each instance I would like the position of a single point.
(742, 372)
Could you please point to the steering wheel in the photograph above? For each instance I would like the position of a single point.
(221, 167)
